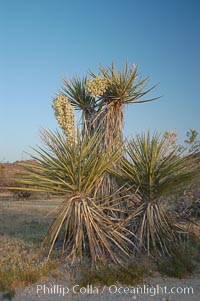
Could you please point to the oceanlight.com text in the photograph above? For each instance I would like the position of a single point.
(139, 290)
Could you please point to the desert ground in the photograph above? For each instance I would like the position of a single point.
(23, 224)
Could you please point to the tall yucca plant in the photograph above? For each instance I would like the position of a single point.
(75, 170)
(114, 90)
(102, 99)
(153, 170)
(122, 88)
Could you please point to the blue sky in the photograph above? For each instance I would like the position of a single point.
(44, 41)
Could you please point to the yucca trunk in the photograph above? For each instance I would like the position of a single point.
(112, 125)
(88, 127)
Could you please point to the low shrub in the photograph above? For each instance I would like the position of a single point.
(183, 262)
(129, 274)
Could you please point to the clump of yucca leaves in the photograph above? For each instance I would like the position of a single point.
(114, 226)
(75, 170)
(153, 169)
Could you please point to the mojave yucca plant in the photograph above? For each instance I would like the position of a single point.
(153, 170)
(84, 222)
(114, 89)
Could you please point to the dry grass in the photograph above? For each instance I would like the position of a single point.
(21, 264)
(23, 225)
(26, 220)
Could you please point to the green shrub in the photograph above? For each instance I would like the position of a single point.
(124, 274)
(183, 262)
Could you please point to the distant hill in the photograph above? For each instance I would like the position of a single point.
(9, 170)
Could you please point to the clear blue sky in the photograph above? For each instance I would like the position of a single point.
(44, 41)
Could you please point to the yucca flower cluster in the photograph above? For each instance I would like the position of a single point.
(97, 86)
(64, 113)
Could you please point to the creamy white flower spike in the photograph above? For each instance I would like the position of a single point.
(97, 86)
(64, 113)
